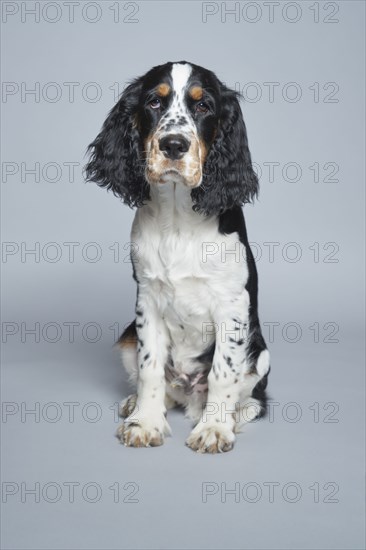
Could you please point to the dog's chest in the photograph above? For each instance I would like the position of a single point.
(180, 267)
(189, 268)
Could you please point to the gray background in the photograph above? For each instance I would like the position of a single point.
(322, 371)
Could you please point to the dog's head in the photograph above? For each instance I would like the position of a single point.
(176, 124)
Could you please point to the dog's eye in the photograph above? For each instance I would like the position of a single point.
(155, 103)
(201, 107)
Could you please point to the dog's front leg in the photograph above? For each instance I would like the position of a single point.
(147, 425)
(215, 430)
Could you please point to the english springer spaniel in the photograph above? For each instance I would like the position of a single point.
(175, 146)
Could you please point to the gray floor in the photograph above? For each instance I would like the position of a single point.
(170, 497)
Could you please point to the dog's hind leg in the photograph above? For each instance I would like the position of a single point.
(127, 344)
(253, 398)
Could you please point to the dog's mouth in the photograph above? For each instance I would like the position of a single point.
(172, 174)
(185, 170)
(190, 177)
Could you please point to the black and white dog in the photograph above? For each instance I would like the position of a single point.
(175, 146)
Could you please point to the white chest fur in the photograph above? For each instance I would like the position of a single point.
(187, 265)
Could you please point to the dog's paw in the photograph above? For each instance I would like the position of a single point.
(143, 432)
(217, 438)
(127, 406)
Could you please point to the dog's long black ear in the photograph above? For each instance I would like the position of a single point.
(229, 178)
(114, 156)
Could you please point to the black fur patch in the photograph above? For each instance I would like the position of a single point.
(233, 221)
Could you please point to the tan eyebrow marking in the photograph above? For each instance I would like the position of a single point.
(196, 93)
(163, 89)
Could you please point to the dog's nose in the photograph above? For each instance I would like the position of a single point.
(174, 146)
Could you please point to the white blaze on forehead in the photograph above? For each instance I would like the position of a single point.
(177, 118)
(180, 76)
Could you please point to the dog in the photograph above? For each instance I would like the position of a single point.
(175, 147)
